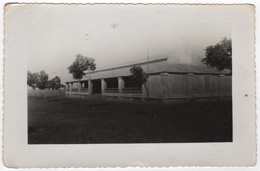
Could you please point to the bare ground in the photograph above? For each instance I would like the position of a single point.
(60, 120)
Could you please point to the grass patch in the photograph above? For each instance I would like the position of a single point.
(78, 121)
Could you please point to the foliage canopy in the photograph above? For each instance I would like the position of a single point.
(54, 83)
(219, 56)
(138, 74)
(80, 65)
(42, 80)
(140, 77)
(32, 79)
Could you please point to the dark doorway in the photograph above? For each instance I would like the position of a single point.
(96, 86)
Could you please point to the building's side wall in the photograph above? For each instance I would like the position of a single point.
(225, 86)
(189, 85)
(196, 86)
(177, 85)
(214, 85)
(155, 86)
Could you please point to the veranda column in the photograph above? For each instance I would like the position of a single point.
(90, 87)
(71, 86)
(121, 85)
(68, 87)
(79, 86)
(103, 85)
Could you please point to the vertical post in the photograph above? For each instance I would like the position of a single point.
(121, 85)
(90, 87)
(103, 86)
(71, 86)
(164, 76)
(79, 86)
(68, 87)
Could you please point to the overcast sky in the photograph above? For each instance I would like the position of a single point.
(55, 34)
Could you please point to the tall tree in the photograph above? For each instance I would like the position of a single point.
(219, 56)
(32, 79)
(140, 77)
(80, 65)
(42, 80)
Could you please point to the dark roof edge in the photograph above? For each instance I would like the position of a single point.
(127, 65)
(182, 73)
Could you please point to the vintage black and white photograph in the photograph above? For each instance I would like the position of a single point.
(136, 77)
(129, 82)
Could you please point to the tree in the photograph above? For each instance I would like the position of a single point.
(54, 83)
(219, 56)
(140, 77)
(80, 65)
(58, 86)
(32, 79)
(42, 80)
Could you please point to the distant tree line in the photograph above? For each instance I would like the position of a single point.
(41, 81)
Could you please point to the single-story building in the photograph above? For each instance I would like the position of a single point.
(166, 82)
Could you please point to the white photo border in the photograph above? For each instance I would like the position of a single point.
(15, 146)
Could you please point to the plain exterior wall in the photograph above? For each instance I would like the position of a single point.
(195, 85)
(155, 86)
(214, 85)
(225, 86)
(177, 85)
(169, 85)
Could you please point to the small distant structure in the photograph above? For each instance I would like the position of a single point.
(166, 82)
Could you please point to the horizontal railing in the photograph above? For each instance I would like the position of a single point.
(74, 90)
(134, 90)
(111, 90)
(83, 90)
(77, 90)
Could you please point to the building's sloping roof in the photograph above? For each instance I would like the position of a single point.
(185, 68)
(156, 65)
(141, 61)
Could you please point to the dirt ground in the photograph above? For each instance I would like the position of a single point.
(61, 120)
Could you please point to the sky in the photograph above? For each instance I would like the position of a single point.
(113, 34)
